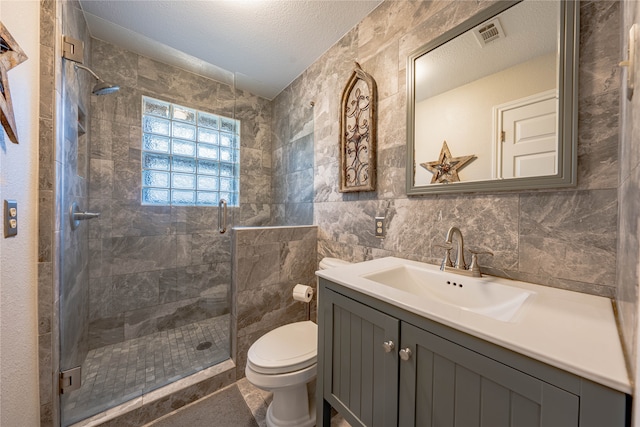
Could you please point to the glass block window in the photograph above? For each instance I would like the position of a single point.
(189, 157)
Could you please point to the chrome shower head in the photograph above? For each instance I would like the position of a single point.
(102, 87)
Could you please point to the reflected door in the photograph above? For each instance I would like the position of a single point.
(529, 138)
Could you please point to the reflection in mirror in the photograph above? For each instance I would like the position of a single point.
(491, 102)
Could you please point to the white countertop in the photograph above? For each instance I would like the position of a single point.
(572, 331)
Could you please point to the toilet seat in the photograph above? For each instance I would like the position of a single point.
(288, 348)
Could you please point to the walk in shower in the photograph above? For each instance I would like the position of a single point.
(145, 287)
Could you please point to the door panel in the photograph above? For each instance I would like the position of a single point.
(362, 381)
(530, 142)
(454, 386)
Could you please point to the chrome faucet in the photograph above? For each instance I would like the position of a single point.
(460, 266)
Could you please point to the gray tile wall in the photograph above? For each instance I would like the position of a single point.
(47, 267)
(629, 237)
(565, 239)
(156, 268)
(267, 263)
(293, 142)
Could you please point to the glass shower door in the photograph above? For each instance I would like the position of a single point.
(145, 290)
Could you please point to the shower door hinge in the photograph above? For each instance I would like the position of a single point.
(73, 49)
(70, 379)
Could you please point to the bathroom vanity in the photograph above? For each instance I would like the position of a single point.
(389, 354)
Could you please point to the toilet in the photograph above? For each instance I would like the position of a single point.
(283, 361)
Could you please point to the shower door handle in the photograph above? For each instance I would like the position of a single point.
(222, 216)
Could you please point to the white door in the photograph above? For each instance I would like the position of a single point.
(529, 137)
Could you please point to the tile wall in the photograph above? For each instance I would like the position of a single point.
(293, 142)
(155, 268)
(565, 239)
(267, 263)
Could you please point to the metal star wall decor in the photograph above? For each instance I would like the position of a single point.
(446, 168)
(11, 55)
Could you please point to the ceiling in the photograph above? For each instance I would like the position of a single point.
(530, 31)
(263, 44)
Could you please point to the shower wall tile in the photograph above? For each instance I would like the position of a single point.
(106, 331)
(114, 64)
(210, 247)
(101, 297)
(100, 227)
(159, 267)
(102, 177)
(134, 291)
(255, 189)
(46, 155)
(128, 218)
(145, 321)
(45, 225)
(45, 368)
(45, 297)
(255, 214)
(133, 254)
(211, 280)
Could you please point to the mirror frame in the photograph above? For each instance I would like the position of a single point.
(567, 108)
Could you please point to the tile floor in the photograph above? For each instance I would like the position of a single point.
(258, 400)
(116, 373)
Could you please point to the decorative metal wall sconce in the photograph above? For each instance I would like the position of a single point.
(11, 55)
(358, 133)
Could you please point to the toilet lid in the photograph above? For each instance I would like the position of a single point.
(288, 348)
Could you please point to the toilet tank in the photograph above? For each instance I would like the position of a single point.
(329, 262)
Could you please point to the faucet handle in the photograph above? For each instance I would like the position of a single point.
(446, 261)
(477, 252)
(474, 267)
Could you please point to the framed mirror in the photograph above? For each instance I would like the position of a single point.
(492, 103)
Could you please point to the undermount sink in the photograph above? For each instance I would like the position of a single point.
(479, 295)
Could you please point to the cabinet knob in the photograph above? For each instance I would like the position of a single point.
(388, 346)
(405, 353)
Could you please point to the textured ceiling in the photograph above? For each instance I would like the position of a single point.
(266, 44)
(530, 28)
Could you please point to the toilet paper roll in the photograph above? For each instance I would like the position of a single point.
(302, 293)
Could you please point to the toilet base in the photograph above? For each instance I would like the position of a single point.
(292, 407)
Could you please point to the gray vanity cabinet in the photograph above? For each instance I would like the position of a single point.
(379, 365)
(445, 384)
(362, 378)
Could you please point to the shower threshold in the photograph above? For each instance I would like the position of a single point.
(116, 377)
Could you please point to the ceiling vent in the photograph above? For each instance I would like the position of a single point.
(488, 32)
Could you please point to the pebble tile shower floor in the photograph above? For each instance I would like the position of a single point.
(116, 373)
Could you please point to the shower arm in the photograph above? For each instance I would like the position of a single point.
(76, 65)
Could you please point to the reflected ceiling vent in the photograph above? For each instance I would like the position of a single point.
(488, 32)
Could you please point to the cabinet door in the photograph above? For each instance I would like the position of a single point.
(445, 384)
(360, 377)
